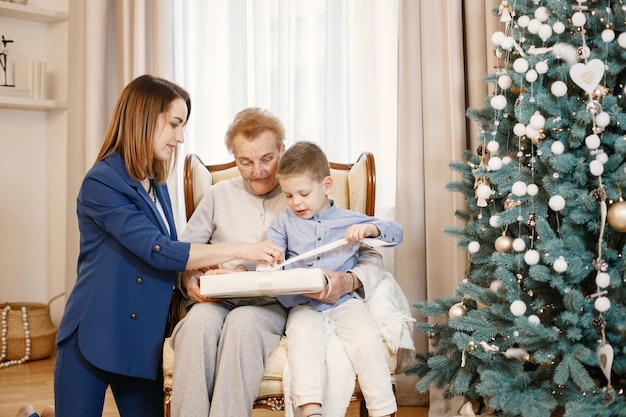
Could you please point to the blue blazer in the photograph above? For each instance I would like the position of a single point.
(126, 269)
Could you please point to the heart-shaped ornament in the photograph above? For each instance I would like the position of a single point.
(605, 359)
(587, 76)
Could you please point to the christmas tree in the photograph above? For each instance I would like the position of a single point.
(537, 326)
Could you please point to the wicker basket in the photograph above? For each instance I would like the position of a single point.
(42, 330)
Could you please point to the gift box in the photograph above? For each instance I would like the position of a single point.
(263, 283)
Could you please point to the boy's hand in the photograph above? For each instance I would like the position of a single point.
(361, 231)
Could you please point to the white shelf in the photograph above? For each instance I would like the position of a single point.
(35, 14)
(30, 103)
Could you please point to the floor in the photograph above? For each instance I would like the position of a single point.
(31, 383)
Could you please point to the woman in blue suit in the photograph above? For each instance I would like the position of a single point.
(112, 330)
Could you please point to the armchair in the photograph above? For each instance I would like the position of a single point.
(354, 188)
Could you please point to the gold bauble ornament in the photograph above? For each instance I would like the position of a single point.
(504, 244)
(457, 310)
(616, 216)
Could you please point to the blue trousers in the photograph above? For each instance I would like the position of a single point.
(80, 387)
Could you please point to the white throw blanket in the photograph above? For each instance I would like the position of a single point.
(392, 312)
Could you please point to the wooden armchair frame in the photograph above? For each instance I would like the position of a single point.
(339, 171)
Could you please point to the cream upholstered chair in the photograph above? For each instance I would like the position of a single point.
(354, 187)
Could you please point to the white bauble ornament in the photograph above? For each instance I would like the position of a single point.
(532, 190)
(519, 245)
(557, 147)
(579, 19)
(531, 132)
(556, 203)
(558, 27)
(558, 88)
(603, 280)
(497, 37)
(541, 67)
(473, 246)
(533, 319)
(531, 257)
(519, 129)
(560, 264)
(520, 65)
(518, 308)
(507, 160)
(493, 146)
(602, 304)
(545, 31)
(498, 102)
(596, 167)
(541, 13)
(505, 82)
(537, 120)
(494, 221)
(616, 216)
(519, 188)
(523, 21)
(457, 310)
(621, 40)
(608, 35)
(495, 163)
(603, 119)
(592, 141)
(483, 191)
(504, 244)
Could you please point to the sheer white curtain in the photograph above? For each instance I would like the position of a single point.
(327, 69)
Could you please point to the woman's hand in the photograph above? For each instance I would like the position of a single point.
(265, 251)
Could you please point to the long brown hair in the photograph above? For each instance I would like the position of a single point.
(133, 126)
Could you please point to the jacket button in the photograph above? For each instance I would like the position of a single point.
(133, 316)
(157, 248)
(139, 280)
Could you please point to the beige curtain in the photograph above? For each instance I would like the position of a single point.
(111, 42)
(443, 56)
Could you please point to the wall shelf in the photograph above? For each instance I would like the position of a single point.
(30, 103)
(35, 14)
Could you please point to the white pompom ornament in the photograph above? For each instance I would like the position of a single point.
(541, 13)
(519, 188)
(621, 40)
(520, 65)
(608, 35)
(603, 119)
(523, 21)
(541, 67)
(592, 141)
(596, 167)
(602, 304)
(495, 285)
(533, 26)
(579, 19)
(473, 246)
(497, 38)
(556, 203)
(494, 221)
(532, 190)
(519, 129)
(533, 319)
(537, 120)
(493, 146)
(603, 280)
(505, 82)
(518, 308)
(558, 27)
(495, 163)
(519, 245)
(560, 264)
(531, 257)
(557, 148)
(558, 88)
(498, 102)
(531, 76)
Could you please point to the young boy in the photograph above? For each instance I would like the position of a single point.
(312, 220)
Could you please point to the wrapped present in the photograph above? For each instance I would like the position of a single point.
(263, 283)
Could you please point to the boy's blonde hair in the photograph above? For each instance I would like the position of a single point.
(304, 158)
